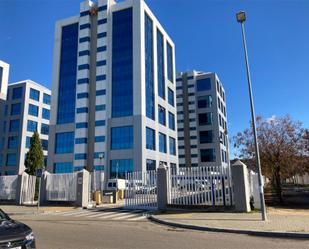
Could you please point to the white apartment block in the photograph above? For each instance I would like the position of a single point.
(113, 103)
(202, 120)
(26, 109)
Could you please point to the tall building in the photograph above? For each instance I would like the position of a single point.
(27, 108)
(113, 103)
(202, 120)
(4, 77)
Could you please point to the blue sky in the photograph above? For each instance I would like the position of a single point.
(207, 38)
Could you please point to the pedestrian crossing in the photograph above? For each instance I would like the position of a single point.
(104, 214)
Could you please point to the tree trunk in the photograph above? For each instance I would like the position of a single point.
(277, 179)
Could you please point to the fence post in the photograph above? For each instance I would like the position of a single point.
(43, 193)
(162, 189)
(82, 189)
(241, 186)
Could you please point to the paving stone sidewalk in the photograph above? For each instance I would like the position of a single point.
(15, 209)
(279, 220)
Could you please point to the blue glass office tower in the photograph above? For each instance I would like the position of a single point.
(113, 84)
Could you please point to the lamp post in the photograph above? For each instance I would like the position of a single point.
(241, 18)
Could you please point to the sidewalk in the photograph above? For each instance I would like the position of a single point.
(281, 222)
(22, 210)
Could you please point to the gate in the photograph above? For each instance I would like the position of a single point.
(207, 186)
(61, 187)
(141, 190)
(27, 189)
(8, 187)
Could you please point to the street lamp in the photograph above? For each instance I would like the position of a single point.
(241, 18)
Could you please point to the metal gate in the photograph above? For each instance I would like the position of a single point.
(209, 186)
(61, 187)
(8, 187)
(141, 190)
(27, 189)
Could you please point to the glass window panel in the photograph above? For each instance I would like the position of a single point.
(122, 63)
(64, 142)
(122, 138)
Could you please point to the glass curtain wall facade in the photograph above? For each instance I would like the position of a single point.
(122, 67)
(67, 74)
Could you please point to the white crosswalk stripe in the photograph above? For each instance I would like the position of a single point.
(106, 214)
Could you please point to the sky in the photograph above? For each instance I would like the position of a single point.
(207, 38)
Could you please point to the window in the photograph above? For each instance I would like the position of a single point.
(170, 62)
(81, 125)
(28, 142)
(17, 93)
(80, 156)
(205, 118)
(32, 126)
(6, 109)
(44, 129)
(161, 114)
(171, 121)
(67, 74)
(84, 53)
(162, 142)
(122, 63)
(11, 159)
(122, 138)
(100, 107)
(100, 123)
(150, 164)
(119, 168)
(15, 109)
(14, 125)
(64, 142)
(46, 98)
(150, 139)
(81, 140)
(33, 110)
(99, 139)
(160, 64)
(172, 143)
(82, 95)
(203, 84)
(12, 142)
(208, 155)
(150, 108)
(82, 110)
(4, 126)
(65, 167)
(45, 113)
(44, 143)
(204, 101)
(171, 100)
(100, 92)
(34, 94)
(206, 137)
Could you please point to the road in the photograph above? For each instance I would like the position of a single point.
(83, 230)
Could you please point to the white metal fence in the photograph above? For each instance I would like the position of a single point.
(28, 189)
(209, 186)
(61, 187)
(8, 187)
(141, 190)
(97, 180)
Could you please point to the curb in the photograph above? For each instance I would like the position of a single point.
(290, 235)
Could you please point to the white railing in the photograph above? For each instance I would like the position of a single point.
(97, 180)
(209, 186)
(28, 189)
(8, 187)
(61, 187)
(141, 190)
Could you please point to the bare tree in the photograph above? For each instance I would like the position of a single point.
(283, 149)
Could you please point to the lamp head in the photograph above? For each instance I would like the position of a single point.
(241, 16)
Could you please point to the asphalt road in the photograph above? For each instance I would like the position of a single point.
(66, 232)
